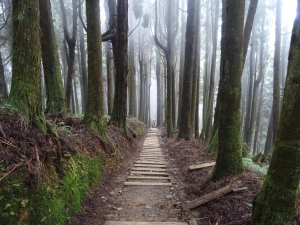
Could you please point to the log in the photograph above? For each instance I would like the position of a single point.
(200, 166)
(213, 195)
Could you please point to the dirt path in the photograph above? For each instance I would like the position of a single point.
(132, 198)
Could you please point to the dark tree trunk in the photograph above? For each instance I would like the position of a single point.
(3, 87)
(110, 77)
(275, 203)
(83, 67)
(229, 157)
(71, 41)
(131, 79)
(25, 94)
(248, 27)
(212, 74)
(119, 113)
(185, 129)
(56, 98)
(182, 54)
(159, 91)
(94, 115)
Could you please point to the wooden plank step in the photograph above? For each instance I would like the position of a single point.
(149, 173)
(200, 166)
(152, 162)
(146, 184)
(156, 160)
(150, 146)
(145, 168)
(148, 177)
(151, 152)
(142, 223)
(150, 165)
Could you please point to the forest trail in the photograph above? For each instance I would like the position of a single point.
(146, 189)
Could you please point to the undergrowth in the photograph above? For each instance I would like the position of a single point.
(53, 200)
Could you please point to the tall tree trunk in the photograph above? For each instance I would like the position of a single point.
(248, 27)
(276, 66)
(94, 115)
(25, 94)
(182, 54)
(131, 80)
(258, 118)
(83, 67)
(56, 98)
(256, 85)
(212, 74)
(3, 87)
(119, 113)
(196, 69)
(187, 87)
(71, 41)
(110, 77)
(229, 157)
(159, 91)
(275, 203)
(171, 27)
(250, 93)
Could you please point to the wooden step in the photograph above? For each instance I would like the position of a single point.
(145, 168)
(156, 178)
(152, 162)
(150, 165)
(149, 173)
(200, 166)
(146, 184)
(142, 223)
(151, 154)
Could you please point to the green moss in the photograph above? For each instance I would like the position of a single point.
(213, 145)
(54, 200)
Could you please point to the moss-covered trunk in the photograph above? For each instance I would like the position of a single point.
(275, 202)
(131, 79)
(25, 92)
(71, 41)
(56, 98)
(229, 157)
(94, 110)
(119, 113)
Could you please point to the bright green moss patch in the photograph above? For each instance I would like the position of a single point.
(54, 200)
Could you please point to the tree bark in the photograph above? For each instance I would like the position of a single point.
(56, 98)
(119, 113)
(25, 92)
(275, 203)
(3, 87)
(94, 115)
(83, 67)
(185, 129)
(229, 157)
(71, 41)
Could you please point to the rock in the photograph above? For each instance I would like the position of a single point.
(168, 196)
(193, 222)
(109, 215)
(171, 189)
(120, 208)
(148, 207)
(103, 197)
(112, 193)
